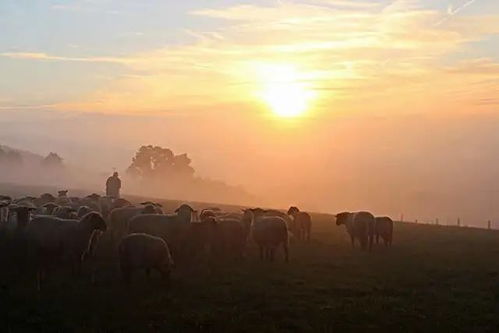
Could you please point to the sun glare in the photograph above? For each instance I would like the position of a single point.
(284, 92)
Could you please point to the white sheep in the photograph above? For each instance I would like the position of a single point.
(4, 208)
(65, 212)
(84, 210)
(142, 251)
(22, 216)
(119, 218)
(51, 238)
(181, 230)
(269, 232)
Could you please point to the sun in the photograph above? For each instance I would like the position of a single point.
(287, 99)
(285, 91)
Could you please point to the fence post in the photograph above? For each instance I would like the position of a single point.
(401, 217)
(436, 221)
(458, 222)
(488, 224)
(416, 221)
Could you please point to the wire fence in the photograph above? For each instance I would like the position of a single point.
(458, 222)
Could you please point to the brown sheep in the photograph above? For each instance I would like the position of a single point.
(302, 223)
(142, 251)
(384, 229)
(360, 225)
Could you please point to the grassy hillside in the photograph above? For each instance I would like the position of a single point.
(433, 278)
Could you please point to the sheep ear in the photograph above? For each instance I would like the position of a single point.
(176, 210)
(158, 204)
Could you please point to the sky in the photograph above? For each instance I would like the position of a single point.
(325, 103)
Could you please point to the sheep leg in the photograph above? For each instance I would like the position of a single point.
(286, 252)
(166, 277)
(352, 240)
(127, 276)
(363, 243)
(39, 279)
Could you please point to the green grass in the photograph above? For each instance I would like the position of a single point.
(434, 278)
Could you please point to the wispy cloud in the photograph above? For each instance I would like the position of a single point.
(48, 57)
(451, 11)
(340, 49)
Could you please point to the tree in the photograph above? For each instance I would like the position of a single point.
(155, 162)
(10, 157)
(53, 160)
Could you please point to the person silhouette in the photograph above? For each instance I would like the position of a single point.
(113, 186)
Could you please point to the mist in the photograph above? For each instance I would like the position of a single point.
(419, 166)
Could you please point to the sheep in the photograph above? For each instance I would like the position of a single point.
(84, 210)
(4, 207)
(359, 225)
(142, 251)
(65, 212)
(23, 215)
(62, 199)
(302, 223)
(157, 207)
(119, 217)
(45, 198)
(268, 233)
(231, 236)
(120, 202)
(51, 238)
(206, 214)
(106, 204)
(384, 229)
(49, 208)
(176, 229)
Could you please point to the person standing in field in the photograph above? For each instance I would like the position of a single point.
(113, 186)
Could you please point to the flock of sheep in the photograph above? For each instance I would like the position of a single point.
(67, 230)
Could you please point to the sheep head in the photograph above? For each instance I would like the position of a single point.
(62, 193)
(293, 210)
(341, 218)
(206, 214)
(94, 220)
(149, 209)
(93, 196)
(186, 213)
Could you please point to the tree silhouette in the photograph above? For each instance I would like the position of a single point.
(155, 162)
(10, 157)
(53, 160)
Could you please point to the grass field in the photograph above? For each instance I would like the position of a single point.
(434, 278)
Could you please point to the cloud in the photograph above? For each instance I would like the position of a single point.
(357, 55)
(48, 57)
